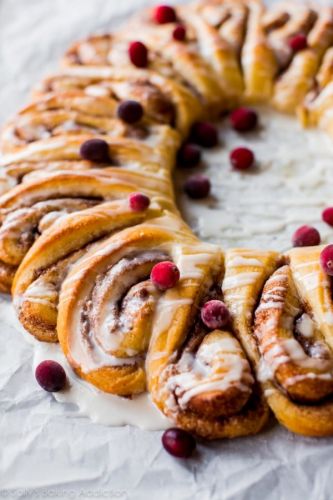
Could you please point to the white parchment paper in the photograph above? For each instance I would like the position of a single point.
(46, 449)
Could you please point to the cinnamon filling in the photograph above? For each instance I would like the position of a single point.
(20, 227)
(118, 313)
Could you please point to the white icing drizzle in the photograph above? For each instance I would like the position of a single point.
(217, 366)
(305, 326)
(241, 279)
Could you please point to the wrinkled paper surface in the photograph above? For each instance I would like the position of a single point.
(46, 449)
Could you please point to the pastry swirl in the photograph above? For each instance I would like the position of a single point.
(107, 303)
(68, 113)
(29, 209)
(41, 274)
(180, 62)
(300, 69)
(165, 101)
(63, 152)
(201, 379)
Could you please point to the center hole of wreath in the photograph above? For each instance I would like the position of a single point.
(290, 185)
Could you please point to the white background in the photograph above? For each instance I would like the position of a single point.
(46, 450)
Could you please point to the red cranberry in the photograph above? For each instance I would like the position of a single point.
(197, 186)
(178, 443)
(179, 33)
(215, 314)
(165, 275)
(243, 119)
(138, 202)
(51, 376)
(130, 111)
(189, 155)
(242, 158)
(164, 14)
(204, 134)
(138, 54)
(326, 260)
(96, 150)
(297, 42)
(327, 216)
(306, 236)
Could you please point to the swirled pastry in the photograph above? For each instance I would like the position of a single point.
(182, 62)
(63, 152)
(40, 276)
(201, 379)
(30, 208)
(293, 328)
(73, 113)
(299, 69)
(165, 101)
(258, 62)
(109, 298)
(316, 109)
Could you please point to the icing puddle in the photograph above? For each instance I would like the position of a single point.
(99, 406)
(261, 208)
(289, 187)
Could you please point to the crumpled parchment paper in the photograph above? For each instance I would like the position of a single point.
(46, 449)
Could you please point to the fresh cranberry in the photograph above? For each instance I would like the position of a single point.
(306, 236)
(204, 134)
(326, 260)
(215, 314)
(243, 119)
(51, 376)
(297, 42)
(179, 33)
(130, 111)
(96, 150)
(327, 216)
(178, 443)
(197, 186)
(165, 275)
(164, 14)
(242, 158)
(189, 155)
(138, 202)
(138, 54)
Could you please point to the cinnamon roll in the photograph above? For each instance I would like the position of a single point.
(298, 70)
(180, 61)
(107, 303)
(165, 101)
(29, 209)
(257, 58)
(41, 274)
(73, 113)
(63, 152)
(201, 378)
(293, 329)
(316, 109)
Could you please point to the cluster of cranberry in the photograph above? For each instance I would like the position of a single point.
(205, 134)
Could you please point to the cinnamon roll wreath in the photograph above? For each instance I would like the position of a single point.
(80, 258)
